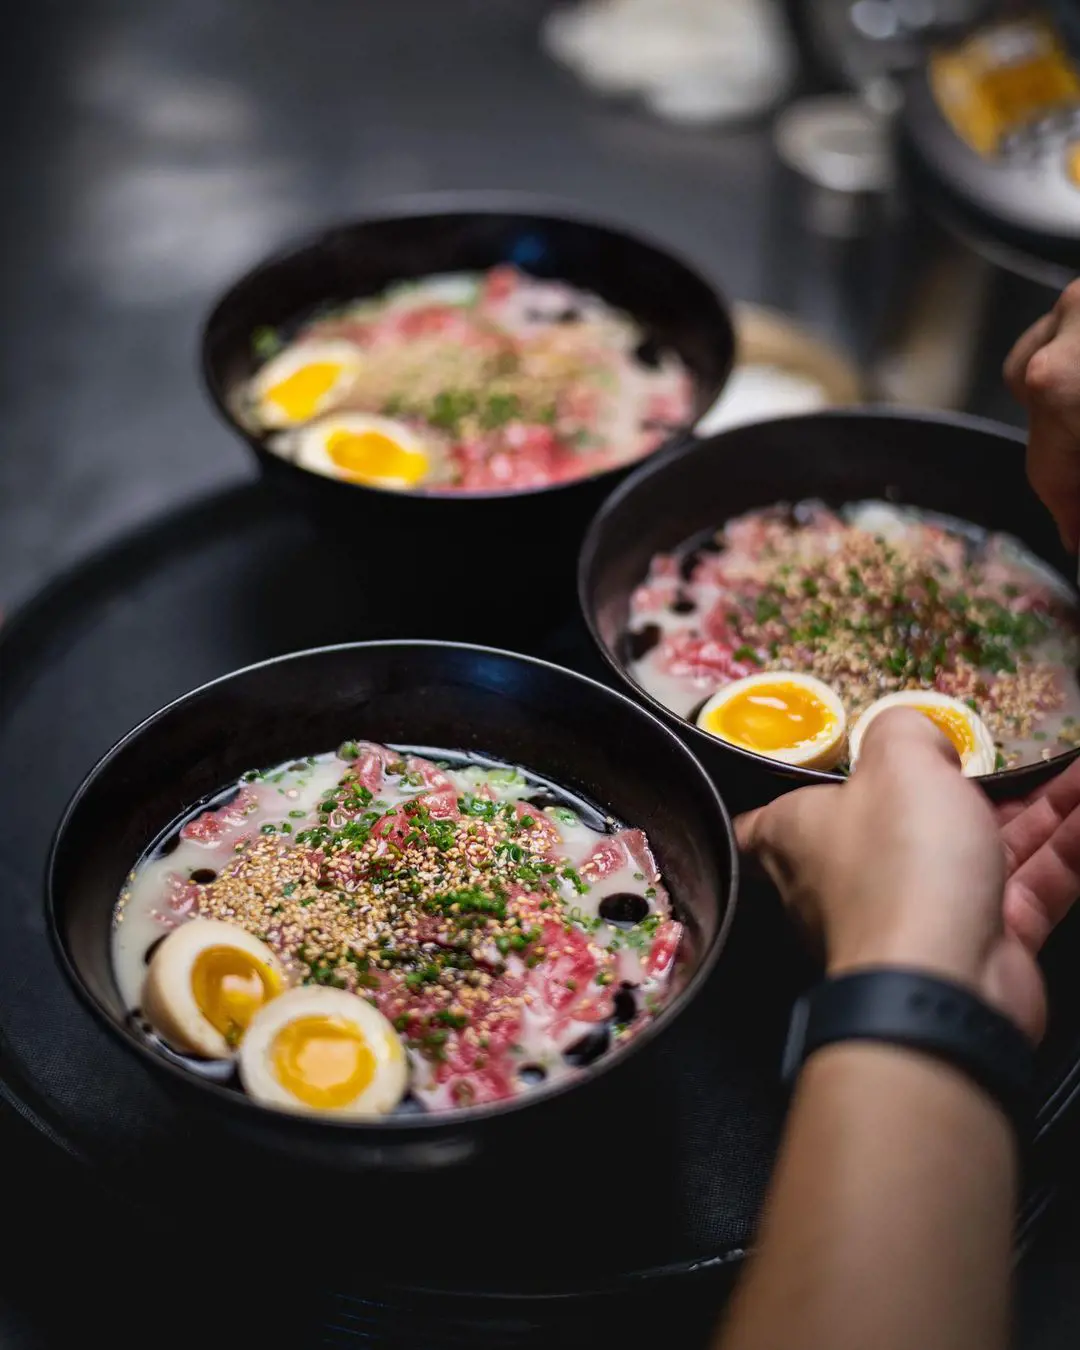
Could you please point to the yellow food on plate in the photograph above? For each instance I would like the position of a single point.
(304, 381)
(787, 716)
(324, 1051)
(204, 985)
(361, 448)
(961, 724)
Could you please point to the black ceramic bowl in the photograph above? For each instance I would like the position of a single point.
(958, 465)
(465, 232)
(578, 733)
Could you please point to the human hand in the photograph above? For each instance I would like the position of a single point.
(1041, 836)
(906, 864)
(1043, 372)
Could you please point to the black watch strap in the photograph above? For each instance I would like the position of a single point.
(921, 1012)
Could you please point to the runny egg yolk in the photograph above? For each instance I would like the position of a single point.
(369, 456)
(299, 395)
(771, 717)
(323, 1061)
(954, 725)
(230, 987)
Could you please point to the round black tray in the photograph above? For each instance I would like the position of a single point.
(667, 1193)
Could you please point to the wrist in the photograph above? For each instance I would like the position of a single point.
(919, 1090)
(940, 954)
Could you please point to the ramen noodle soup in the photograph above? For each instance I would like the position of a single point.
(368, 931)
(470, 382)
(788, 631)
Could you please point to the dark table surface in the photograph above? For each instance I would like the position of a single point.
(155, 149)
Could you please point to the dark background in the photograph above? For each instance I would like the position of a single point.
(155, 150)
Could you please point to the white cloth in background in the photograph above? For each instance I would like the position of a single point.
(690, 60)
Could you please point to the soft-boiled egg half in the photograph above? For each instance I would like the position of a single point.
(794, 718)
(961, 724)
(306, 379)
(204, 985)
(362, 448)
(325, 1051)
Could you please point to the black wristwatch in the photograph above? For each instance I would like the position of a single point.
(921, 1012)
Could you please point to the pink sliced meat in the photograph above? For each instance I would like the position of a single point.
(212, 826)
(431, 774)
(607, 857)
(581, 403)
(393, 827)
(476, 1064)
(441, 803)
(542, 836)
(668, 408)
(702, 658)
(641, 855)
(520, 457)
(369, 767)
(499, 284)
(181, 895)
(665, 945)
(661, 586)
(656, 594)
(442, 796)
(565, 984)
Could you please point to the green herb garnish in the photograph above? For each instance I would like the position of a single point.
(266, 342)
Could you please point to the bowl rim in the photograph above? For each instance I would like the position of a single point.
(798, 775)
(427, 205)
(436, 1121)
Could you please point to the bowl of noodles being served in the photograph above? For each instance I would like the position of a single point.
(774, 590)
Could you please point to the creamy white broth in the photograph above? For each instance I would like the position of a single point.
(693, 629)
(181, 878)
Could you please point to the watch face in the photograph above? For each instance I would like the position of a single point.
(1004, 83)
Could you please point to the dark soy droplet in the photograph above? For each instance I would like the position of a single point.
(682, 604)
(167, 845)
(544, 799)
(153, 948)
(221, 1071)
(641, 641)
(704, 548)
(532, 1074)
(409, 1106)
(624, 909)
(203, 876)
(591, 1046)
(625, 1003)
(648, 353)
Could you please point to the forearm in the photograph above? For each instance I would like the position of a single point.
(889, 1220)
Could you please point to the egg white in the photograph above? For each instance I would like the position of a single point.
(347, 358)
(261, 1082)
(822, 751)
(168, 999)
(979, 759)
